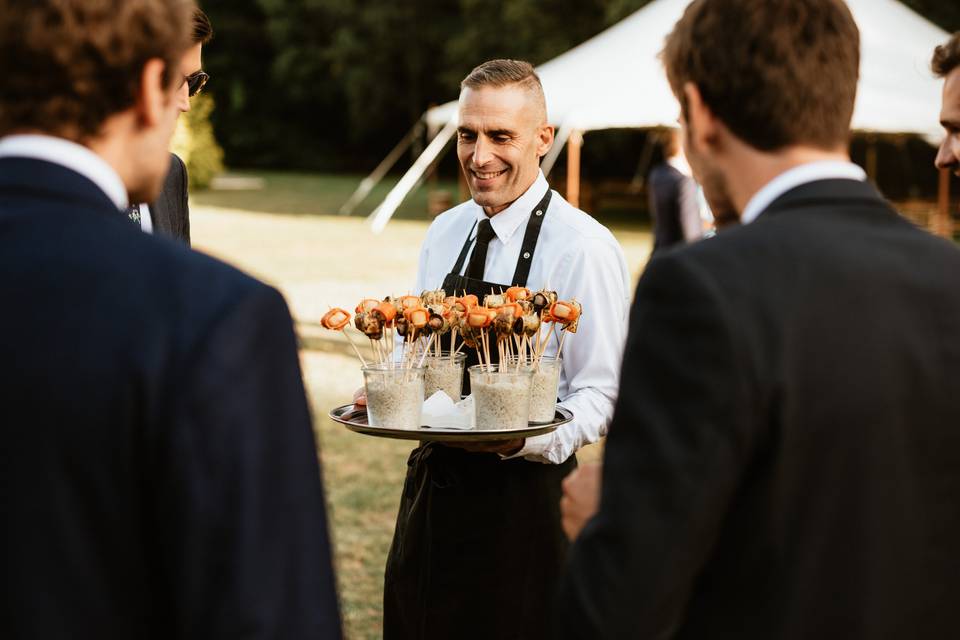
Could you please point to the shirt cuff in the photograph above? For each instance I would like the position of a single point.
(533, 449)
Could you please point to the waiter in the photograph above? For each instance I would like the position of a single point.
(478, 546)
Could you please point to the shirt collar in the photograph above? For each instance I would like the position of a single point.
(70, 155)
(507, 221)
(680, 164)
(809, 172)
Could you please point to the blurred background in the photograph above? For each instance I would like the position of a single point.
(331, 86)
(307, 97)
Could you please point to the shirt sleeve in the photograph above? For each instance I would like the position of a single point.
(239, 506)
(680, 440)
(596, 276)
(689, 205)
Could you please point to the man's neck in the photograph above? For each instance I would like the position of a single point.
(752, 170)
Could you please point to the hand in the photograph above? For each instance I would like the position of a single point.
(503, 447)
(581, 497)
(360, 397)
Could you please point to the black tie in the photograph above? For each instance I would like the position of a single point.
(478, 259)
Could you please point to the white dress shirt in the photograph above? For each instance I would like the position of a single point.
(70, 155)
(809, 172)
(146, 222)
(578, 258)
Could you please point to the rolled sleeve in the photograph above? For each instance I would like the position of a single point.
(595, 275)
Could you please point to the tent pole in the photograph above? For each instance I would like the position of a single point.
(381, 215)
(574, 143)
(368, 183)
(943, 226)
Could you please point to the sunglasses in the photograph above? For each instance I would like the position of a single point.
(195, 82)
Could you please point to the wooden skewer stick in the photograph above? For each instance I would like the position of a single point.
(563, 334)
(486, 342)
(425, 351)
(355, 350)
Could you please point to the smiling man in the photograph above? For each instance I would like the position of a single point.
(478, 546)
(946, 64)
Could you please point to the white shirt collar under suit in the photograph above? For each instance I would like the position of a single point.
(70, 155)
(810, 172)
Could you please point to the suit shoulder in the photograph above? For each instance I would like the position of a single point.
(177, 165)
(170, 284)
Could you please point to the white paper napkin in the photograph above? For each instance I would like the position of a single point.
(440, 412)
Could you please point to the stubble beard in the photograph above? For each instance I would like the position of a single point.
(715, 189)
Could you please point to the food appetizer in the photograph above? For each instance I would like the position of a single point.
(512, 323)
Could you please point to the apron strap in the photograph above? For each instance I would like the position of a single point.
(458, 267)
(530, 238)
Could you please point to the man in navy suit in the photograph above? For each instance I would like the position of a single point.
(784, 456)
(158, 474)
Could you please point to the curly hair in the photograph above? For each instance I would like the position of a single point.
(946, 57)
(776, 72)
(77, 62)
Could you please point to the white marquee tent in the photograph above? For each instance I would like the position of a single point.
(616, 80)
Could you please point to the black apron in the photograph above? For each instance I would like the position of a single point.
(478, 547)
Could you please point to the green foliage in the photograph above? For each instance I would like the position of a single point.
(332, 85)
(944, 13)
(195, 143)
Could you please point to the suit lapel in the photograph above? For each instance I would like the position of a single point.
(160, 213)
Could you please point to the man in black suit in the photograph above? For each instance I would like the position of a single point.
(169, 214)
(158, 475)
(784, 458)
(673, 198)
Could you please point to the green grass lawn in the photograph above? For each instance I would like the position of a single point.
(323, 194)
(311, 193)
(281, 235)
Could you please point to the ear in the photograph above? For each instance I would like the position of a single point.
(544, 139)
(702, 126)
(152, 96)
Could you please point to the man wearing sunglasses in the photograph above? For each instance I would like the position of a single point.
(169, 214)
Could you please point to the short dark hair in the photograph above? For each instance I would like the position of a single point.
(504, 72)
(77, 62)
(202, 29)
(499, 73)
(776, 72)
(946, 57)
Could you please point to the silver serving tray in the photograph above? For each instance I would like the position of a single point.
(355, 419)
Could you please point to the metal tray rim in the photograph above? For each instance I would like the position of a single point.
(345, 415)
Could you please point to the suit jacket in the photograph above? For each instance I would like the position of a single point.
(159, 475)
(784, 459)
(673, 207)
(170, 212)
